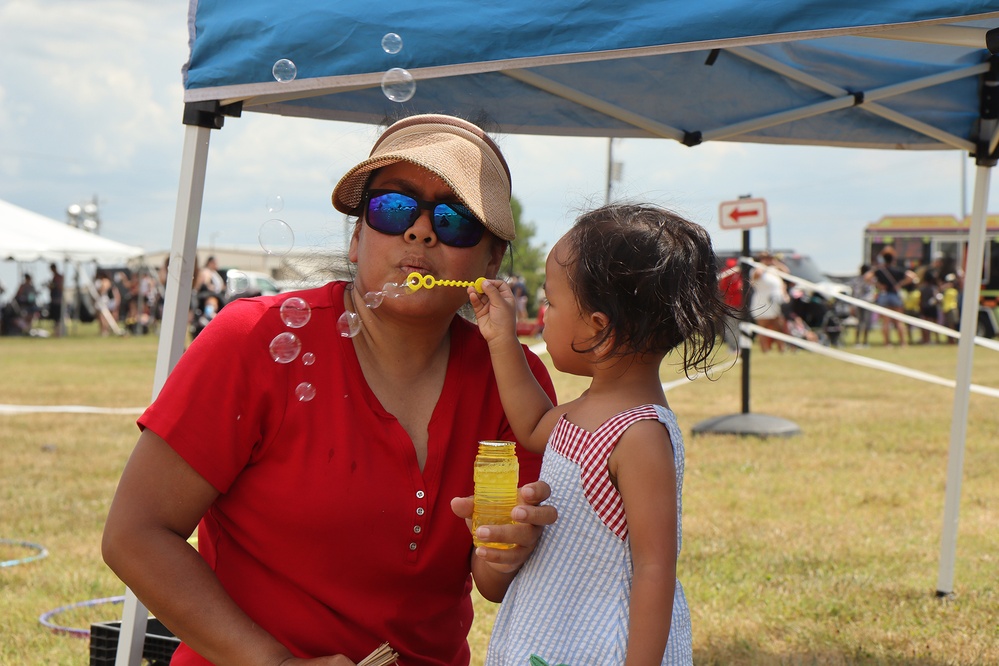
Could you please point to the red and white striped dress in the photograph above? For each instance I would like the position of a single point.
(570, 602)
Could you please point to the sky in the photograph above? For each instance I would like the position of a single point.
(91, 101)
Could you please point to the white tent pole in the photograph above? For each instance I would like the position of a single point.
(962, 390)
(951, 35)
(173, 333)
(187, 220)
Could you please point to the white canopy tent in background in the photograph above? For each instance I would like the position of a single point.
(896, 74)
(26, 236)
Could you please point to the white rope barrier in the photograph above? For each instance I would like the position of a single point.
(865, 361)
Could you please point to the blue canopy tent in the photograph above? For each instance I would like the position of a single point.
(896, 74)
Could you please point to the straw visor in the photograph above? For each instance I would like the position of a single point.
(457, 151)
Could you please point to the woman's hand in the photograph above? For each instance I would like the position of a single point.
(530, 517)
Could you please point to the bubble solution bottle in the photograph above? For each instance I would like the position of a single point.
(496, 476)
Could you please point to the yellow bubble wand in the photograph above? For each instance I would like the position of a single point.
(415, 281)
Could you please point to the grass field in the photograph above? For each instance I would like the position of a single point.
(821, 548)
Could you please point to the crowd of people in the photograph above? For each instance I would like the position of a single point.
(930, 292)
(27, 307)
(122, 301)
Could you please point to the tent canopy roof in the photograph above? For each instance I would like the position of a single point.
(787, 72)
(28, 236)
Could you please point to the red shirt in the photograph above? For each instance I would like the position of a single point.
(730, 285)
(326, 532)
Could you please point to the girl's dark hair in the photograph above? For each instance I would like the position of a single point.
(654, 275)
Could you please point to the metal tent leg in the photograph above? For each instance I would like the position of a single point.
(173, 333)
(962, 391)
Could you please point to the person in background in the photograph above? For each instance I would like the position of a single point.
(929, 305)
(862, 287)
(767, 301)
(730, 283)
(911, 298)
(56, 286)
(108, 302)
(890, 280)
(328, 468)
(26, 300)
(949, 304)
(627, 285)
(209, 281)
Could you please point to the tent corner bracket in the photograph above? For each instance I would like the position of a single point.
(211, 113)
(692, 139)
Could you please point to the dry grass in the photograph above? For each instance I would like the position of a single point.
(817, 549)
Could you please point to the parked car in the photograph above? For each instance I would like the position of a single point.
(243, 284)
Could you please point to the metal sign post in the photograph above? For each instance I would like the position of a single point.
(745, 214)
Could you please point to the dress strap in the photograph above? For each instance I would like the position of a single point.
(591, 451)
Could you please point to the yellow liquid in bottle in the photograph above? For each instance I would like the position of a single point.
(496, 476)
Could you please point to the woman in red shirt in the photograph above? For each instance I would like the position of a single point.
(325, 453)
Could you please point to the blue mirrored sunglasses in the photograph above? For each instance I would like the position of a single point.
(391, 212)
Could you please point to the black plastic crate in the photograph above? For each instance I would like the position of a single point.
(157, 649)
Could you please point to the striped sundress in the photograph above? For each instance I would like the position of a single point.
(570, 602)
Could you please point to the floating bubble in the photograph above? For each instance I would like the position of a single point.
(398, 85)
(284, 70)
(393, 290)
(295, 312)
(391, 43)
(276, 237)
(308, 358)
(374, 298)
(349, 324)
(305, 392)
(236, 283)
(275, 203)
(284, 347)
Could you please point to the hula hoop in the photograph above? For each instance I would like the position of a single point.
(40, 552)
(73, 631)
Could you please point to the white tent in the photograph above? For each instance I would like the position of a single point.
(28, 236)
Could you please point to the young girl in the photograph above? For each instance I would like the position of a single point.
(626, 285)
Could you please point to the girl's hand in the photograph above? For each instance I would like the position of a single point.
(495, 310)
(336, 660)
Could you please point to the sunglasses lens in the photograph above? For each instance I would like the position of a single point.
(392, 213)
(455, 225)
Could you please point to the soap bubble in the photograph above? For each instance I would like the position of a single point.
(236, 283)
(284, 70)
(398, 85)
(391, 43)
(308, 358)
(284, 347)
(295, 312)
(349, 324)
(276, 237)
(305, 392)
(374, 298)
(275, 203)
(393, 290)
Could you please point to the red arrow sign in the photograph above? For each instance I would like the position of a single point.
(742, 214)
(738, 212)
